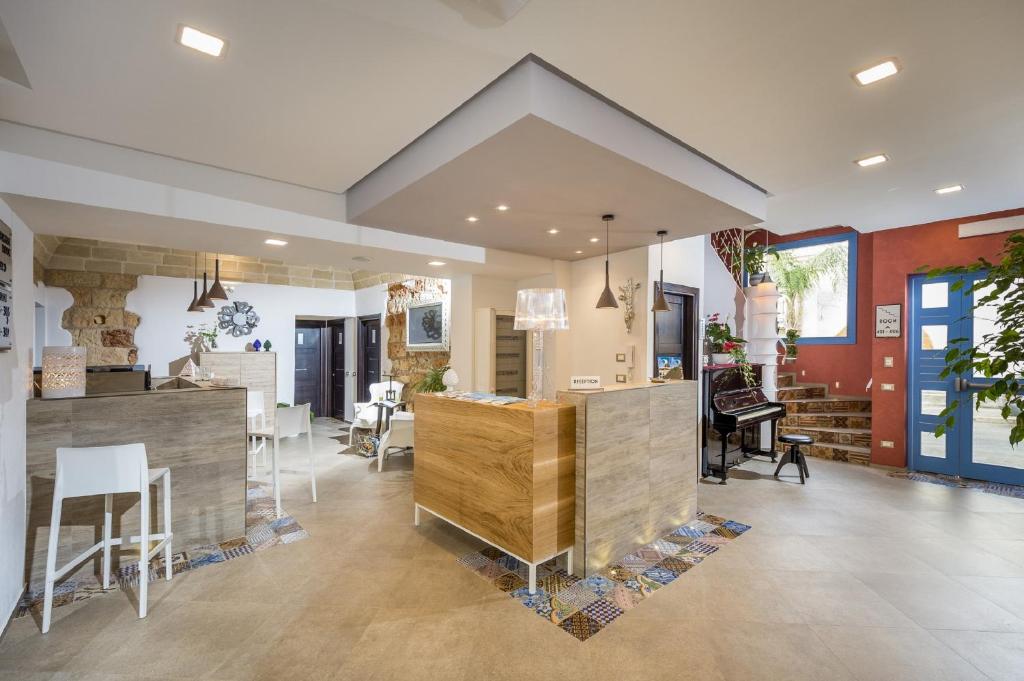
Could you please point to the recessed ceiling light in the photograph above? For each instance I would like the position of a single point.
(579, 252)
(872, 160)
(553, 230)
(472, 218)
(887, 68)
(203, 42)
(950, 189)
(275, 242)
(594, 239)
(502, 208)
(436, 263)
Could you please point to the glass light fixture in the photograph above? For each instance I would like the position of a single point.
(539, 310)
(660, 304)
(63, 371)
(607, 299)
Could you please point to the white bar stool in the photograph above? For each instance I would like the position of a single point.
(290, 422)
(256, 423)
(120, 469)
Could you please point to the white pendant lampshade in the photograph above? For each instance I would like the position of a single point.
(63, 371)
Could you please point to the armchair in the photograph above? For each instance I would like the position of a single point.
(364, 414)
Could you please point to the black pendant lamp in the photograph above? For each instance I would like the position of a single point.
(204, 300)
(660, 304)
(607, 299)
(217, 291)
(194, 305)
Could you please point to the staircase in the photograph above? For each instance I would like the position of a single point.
(840, 426)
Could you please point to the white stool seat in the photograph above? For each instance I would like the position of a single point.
(399, 435)
(90, 471)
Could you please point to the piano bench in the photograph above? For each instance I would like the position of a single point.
(795, 454)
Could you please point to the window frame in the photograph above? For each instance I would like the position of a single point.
(851, 285)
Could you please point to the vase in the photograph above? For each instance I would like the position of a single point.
(721, 358)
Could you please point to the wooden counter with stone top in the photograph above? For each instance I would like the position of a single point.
(636, 467)
(197, 432)
(502, 472)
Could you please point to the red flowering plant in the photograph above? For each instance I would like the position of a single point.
(721, 340)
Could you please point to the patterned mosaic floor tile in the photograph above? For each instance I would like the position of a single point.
(583, 607)
(581, 626)
(493, 553)
(998, 488)
(602, 611)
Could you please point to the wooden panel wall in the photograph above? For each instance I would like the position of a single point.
(252, 370)
(636, 467)
(199, 434)
(505, 473)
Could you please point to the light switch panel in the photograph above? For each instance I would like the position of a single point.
(888, 362)
(889, 387)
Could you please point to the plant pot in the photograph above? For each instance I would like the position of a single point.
(721, 358)
(755, 279)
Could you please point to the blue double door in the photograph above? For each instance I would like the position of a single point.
(977, 445)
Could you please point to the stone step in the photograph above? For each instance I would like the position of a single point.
(858, 437)
(786, 380)
(802, 392)
(827, 405)
(851, 419)
(851, 453)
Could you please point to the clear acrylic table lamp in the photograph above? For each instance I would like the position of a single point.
(539, 310)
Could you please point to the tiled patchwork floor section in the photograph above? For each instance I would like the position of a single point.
(262, 531)
(1016, 491)
(583, 607)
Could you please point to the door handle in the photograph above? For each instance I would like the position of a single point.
(963, 385)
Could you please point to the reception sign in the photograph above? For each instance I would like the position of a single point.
(584, 383)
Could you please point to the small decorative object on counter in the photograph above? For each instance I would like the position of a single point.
(256, 345)
(63, 371)
(450, 379)
(189, 370)
(266, 345)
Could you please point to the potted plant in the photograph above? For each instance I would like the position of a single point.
(792, 349)
(738, 354)
(433, 382)
(753, 262)
(718, 335)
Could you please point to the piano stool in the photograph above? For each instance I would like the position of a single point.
(795, 455)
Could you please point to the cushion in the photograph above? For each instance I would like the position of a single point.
(796, 439)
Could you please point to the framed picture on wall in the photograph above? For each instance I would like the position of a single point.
(888, 320)
(426, 326)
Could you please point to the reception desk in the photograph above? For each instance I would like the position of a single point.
(198, 432)
(636, 467)
(503, 473)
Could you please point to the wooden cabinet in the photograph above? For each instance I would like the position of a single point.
(504, 473)
(252, 370)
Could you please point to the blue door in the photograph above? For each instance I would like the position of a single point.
(977, 446)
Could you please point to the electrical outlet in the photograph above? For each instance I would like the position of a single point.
(889, 387)
(888, 444)
(620, 378)
(888, 362)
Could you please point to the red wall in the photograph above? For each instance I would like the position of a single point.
(898, 253)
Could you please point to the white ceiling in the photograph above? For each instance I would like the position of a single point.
(321, 93)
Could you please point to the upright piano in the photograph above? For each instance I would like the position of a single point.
(733, 408)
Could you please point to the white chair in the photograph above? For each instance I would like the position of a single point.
(291, 422)
(121, 469)
(256, 424)
(398, 436)
(365, 414)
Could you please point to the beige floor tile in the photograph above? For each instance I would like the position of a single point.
(875, 654)
(836, 598)
(1000, 656)
(1006, 592)
(787, 652)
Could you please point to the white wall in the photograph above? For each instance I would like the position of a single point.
(470, 293)
(721, 294)
(15, 387)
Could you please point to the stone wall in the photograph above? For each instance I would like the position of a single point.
(97, 319)
(411, 367)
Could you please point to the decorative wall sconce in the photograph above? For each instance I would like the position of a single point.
(63, 371)
(626, 294)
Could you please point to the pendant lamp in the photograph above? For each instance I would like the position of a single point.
(194, 305)
(217, 291)
(660, 304)
(607, 299)
(204, 300)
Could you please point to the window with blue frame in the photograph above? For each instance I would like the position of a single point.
(817, 279)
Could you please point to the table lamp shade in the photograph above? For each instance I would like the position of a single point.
(63, 371)
(541, 309)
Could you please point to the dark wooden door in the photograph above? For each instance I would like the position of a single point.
(369, 355)
(309, 365)
(336, 375)
(676, 331)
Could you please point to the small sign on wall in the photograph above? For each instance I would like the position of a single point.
(584, 383)
(888, 321)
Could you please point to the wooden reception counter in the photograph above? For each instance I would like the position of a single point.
(504, 473)
(636, 467)
(197, 432)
